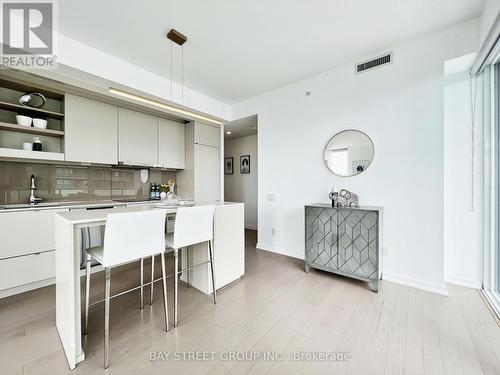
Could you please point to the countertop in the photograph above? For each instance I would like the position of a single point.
(69, 205)
(329, 205)
(75, 205)
(86, 216)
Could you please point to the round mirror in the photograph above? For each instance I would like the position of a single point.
(349, 153)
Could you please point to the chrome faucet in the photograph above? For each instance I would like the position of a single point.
(33, 199)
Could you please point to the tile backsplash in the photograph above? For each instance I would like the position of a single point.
(74, 183)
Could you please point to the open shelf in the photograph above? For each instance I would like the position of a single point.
(25, 88)
(23, 154)
(33, 111)
(31, 130)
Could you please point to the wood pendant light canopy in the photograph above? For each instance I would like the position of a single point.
(176, 37)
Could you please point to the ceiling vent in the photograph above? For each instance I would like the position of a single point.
(374, 63)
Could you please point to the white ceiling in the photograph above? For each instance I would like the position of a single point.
(238, 49)
(241, 127)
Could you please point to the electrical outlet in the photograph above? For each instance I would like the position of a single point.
(386, 252)
(273, 231)
(271, 197)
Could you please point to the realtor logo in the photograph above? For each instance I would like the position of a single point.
(28, 34)
(27, 28)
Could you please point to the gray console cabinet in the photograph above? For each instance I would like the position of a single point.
(344, 241)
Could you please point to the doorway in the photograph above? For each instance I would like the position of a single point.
(241, 170)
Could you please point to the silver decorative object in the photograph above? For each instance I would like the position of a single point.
(35, 100)
(344, 198)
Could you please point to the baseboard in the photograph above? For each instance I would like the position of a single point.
(42, 283)
(276, 250)
(428, 287)
(462, 282)
(422, 285)
(251, 227)
(26, 287)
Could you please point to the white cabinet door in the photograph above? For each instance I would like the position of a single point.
(26, 232)
(206, 134)
(91, 131)
(138, 138)
(206, 175)
(172, 150)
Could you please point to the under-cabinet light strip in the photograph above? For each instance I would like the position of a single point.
(161, 105)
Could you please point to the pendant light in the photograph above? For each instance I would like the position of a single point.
(178, 38)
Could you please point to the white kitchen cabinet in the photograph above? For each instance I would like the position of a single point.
(26, 269)
(206, 176)
(206, 134)
(26, 250)
(171, 138)
(27, 232)
(200, 178)
(137, 138)
(91, 131)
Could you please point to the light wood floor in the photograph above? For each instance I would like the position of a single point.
(275, 307)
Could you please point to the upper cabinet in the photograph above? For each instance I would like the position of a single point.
(106, 134)
(91, 131)
(207, 135)
(137, 138)
(171, 140)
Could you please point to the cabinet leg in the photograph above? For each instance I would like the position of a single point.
(306, 267)
(375, 286)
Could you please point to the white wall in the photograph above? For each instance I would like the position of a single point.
(488, 15)
(401, 108)
(243, 187)
(462, 215)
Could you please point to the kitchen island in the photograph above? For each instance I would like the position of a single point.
(228, 256)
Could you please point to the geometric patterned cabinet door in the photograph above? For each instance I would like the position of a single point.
(343, 241)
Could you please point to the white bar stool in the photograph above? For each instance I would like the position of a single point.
(193, 225)
(128, 237)
(151, 290)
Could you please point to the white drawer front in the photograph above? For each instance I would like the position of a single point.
(26, 232)
(26, 269)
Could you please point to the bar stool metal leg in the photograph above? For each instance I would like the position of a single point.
(141, 303)
(188, 272)
(210, 245)
(87, 294)
(176, 284)
(106, 317)
(152, 279)
(164, 277)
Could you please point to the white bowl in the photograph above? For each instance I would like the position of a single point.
(39, 123)
(23, 120)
